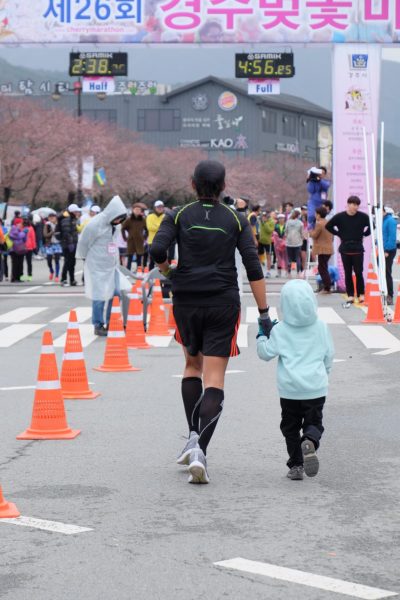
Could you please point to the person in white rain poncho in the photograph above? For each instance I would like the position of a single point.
(97, 246)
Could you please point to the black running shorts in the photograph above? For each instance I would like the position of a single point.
(211, 330)
(264, 249)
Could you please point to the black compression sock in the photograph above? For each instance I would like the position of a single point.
(192, 389)
(210, 411)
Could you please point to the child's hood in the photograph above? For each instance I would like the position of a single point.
(298, 303)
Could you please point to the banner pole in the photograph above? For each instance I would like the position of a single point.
(368, 191)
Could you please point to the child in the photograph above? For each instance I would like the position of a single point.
(279, 240)
(305, 349)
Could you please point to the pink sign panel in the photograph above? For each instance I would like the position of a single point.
(355, 77)
(194, 21)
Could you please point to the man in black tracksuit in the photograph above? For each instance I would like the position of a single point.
(351, 226)
(206, 301)
(69, 242)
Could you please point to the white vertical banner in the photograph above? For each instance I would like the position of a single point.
(355, 87)
(72, 165)
(87, 172)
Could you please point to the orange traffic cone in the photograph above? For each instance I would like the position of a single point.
(375, 310)
(48, 418)
(8, 510)
(135, 334)
(116, 354)
(158, 321)
(74, 381)
(371, 278)
(396, 316)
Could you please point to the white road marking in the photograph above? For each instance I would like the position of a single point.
(329, 316)
(83, 313)
(376, 336)
(252, 314)
(14, 333)
(48, 295)
(159, 341)
(30, 289)
(320, 582)
(325, 313)
(87, 337)
(242, 340)
(336, 360)
(54, 526)
(229, 372)
(20, 314)
(19, 387)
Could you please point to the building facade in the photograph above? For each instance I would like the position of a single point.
(218, 116)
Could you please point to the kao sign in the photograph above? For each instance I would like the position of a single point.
(224, 144)
(239, 143)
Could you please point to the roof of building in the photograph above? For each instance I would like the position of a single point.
(282, 101)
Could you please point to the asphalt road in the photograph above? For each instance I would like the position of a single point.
(153, 536)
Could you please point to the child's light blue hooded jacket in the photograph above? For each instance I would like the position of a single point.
(303, 344)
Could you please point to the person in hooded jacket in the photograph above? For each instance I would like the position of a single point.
(317, 187)
(304, 347)
(69, 239)
(97, 246)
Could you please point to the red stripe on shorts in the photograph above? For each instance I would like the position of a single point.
(234, 348)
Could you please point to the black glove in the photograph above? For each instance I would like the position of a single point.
(265, 324)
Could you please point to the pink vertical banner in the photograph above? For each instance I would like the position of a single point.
(355, 88)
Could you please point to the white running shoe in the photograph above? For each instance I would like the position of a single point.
(198, 467)
(193, 442)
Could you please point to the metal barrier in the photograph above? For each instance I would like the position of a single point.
(147, 285)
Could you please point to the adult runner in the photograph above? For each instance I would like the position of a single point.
(206, 301)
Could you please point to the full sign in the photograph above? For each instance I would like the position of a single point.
(97, 64)
(270, 65)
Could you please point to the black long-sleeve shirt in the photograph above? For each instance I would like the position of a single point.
(351, 229)
(207, 235)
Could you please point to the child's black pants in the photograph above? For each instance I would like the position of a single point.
(300, 415)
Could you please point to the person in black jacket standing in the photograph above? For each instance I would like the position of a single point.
(206, 301)
(69, 242)
(351, 226)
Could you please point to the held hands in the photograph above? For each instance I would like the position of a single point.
(265, 324)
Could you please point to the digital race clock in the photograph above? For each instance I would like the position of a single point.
(96, 64)
(274, 65)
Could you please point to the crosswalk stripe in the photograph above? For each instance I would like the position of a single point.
(83, 313)
(252, 313)
(20, 314)
(325, 313)
(376, 336)
(87, 337)
(30, 289)
(242, 338)
(159, 341)
(15, 333)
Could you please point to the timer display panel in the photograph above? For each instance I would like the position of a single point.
(268, 65)
(98, 64)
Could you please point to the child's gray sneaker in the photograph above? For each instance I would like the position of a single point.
(311, 464)
(193, 442)
(296, 473)
(198, 467)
